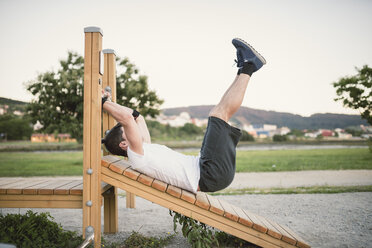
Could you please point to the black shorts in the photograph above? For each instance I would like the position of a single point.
(217, 155)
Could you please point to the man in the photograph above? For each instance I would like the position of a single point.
(214, 168)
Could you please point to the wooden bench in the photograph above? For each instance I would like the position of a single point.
(54, 193)
(201, 206)
(43, 193)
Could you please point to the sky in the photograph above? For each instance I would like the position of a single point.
(184, 47)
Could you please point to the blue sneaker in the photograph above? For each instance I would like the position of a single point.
(246, 53)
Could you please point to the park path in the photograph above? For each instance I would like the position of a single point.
(288, 179)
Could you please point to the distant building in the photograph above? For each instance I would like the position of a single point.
(4, 109)
(37, 126)
(18, 113)
(199, 122)
(63, 137)
(174, 120)
(326, 133)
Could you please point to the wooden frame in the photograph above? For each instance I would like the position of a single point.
(111, 197)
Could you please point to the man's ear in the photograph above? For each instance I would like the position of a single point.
(123, 145)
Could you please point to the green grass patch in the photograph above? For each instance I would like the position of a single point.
(27, 146)
(26, 164)
(296, 160)
(14, 164)
(298, 190)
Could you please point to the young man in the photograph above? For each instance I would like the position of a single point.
(214, 168)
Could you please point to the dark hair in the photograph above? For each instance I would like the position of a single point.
(112, 140)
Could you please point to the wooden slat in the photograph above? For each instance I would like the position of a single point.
(202, 200)
(188, 196)
(7, 180)
(286, 236)
(159, 185)
(118, 167)
(49, 188)
(16, 189)
(174, 191)
(271, 230)
(300, 242)
(192, 211)
(257, 224)
(109, 159)
(243, 218)
(229, 211)
(32, 190)
(77, 190)
(10, 184)
(215, 205)
(65, 189)
(132, 174)
(146, 180)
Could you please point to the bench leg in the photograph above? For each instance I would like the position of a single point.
(110, 210)
(131, 200)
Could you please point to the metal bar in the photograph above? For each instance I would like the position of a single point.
(87, 241)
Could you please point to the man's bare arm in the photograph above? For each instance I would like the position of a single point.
(118, 112)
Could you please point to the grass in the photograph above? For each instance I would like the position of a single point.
(26, 164)
(26, 146)
(295, 160)
(70, 163)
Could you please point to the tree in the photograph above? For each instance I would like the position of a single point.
(246, 136)
(279, 138)
(59, 95)
(15, 128)
(356, 92)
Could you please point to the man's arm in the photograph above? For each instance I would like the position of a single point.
(118, 112)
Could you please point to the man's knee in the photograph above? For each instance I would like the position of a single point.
(219, 113)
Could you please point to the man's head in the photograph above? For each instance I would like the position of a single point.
(114, 140)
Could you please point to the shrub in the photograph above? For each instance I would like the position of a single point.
(35, 230)
(246, 136)
(199, 235)
(279, 138)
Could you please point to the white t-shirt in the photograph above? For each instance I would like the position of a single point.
(167, 165)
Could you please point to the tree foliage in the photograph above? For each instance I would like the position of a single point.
(246, 136)
(15, 128)
(58, 103)
(356, 92)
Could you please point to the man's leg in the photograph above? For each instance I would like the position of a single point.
(248, 61)
(232, 99)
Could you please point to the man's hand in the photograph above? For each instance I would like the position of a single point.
(107, 93)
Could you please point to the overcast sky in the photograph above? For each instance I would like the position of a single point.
(184, 47)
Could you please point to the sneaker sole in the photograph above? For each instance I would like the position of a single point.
(253, 50)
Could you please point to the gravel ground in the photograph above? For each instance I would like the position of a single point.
(323, 220)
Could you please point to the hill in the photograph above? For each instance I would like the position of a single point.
(13, 105)
(255, 116)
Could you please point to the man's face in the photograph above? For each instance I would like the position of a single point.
(124, 144)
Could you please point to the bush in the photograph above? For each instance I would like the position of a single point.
(200, 235)
(279, 138)
(15, 128)
(35, 230)
(246, 136)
